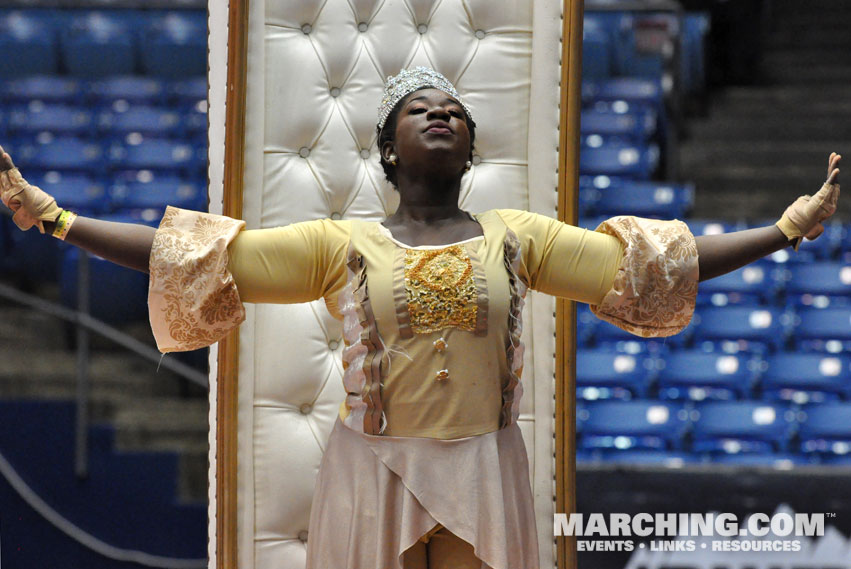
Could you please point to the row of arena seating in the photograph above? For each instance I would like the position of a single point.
(762, 375)
(100, 43)
(694, 375)
(732, 432)
(70, 155)
(733, 329)
(636, 44)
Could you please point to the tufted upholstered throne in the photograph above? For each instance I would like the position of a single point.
(297, 82)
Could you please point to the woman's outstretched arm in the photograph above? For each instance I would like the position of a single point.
(126, 244)
(720, 254)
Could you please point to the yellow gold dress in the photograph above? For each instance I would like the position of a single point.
(433, 360)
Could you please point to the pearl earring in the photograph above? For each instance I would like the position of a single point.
(468, 165)
(392, 158)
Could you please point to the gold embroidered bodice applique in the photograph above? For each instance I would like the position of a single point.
(440, 289)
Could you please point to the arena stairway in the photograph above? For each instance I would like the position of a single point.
(146, 489)
(766, 143)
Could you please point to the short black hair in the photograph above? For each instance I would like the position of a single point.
(387, 133)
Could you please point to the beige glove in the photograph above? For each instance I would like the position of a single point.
(805, 216)
(32, 206)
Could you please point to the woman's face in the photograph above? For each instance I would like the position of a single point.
(431, 129)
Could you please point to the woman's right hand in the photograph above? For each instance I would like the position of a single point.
(30, 204)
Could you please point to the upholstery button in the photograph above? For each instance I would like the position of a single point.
(480, 34)
(335, 91)
(304, 151)
(440, 345)
(307, 28)
(476, 160)
(442, 375)
(336, 215)
(302, 535)
(333, 344)
(422, 28)
(364, 154)
(362, 27)
(305, 408)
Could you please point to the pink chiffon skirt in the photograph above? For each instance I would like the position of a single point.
(377, 495)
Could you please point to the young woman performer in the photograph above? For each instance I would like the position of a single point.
(425, 466)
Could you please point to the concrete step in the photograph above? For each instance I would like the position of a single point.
(779, 127)
(760, 153)
(163, 424)
(816, 72)
(792, 94)
(752, 192)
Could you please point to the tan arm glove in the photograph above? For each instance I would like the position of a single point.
(32, 206)
(805, 216)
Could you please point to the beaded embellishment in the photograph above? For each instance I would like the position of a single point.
(440, 288)
(410, 80)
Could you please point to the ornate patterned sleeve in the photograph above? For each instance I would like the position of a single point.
(192, 298)
(638, 274)
(204, 266)
(654, 290)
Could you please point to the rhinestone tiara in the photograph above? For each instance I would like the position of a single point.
(410, 80)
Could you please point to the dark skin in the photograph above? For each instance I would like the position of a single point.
(432, 145)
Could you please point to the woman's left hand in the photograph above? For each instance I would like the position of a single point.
(805, 216)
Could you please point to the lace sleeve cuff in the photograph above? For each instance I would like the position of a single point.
(655, 287)
(192, 297)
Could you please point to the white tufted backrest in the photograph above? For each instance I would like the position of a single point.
(315, 75)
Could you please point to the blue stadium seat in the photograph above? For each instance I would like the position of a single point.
(735, 427)
(59, 119)
(78, 192)
(195, 121)
(778, 461)
(116, 294)
(645, 199)
(826, 430)
(804, 378)
(709, 226)
(669, 459)
(131, 88)
(819, 284)
(146, 120)
(97, 44)
(638, 424)
(739, 329)
(608, 375)
(619, 27)
(176, 45)
(823, 330)
(751, 284)
(655, 34)
(637, 125)
(47, 88)
(66, 153)
(161, 155)
(693, 51)
(597, 52)
(28, 44)
(631, 89)
(694, 375)
(156, 192)
(189, 92)
(617, 158)
(586, 323)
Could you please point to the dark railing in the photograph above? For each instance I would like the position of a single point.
(85, 324)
